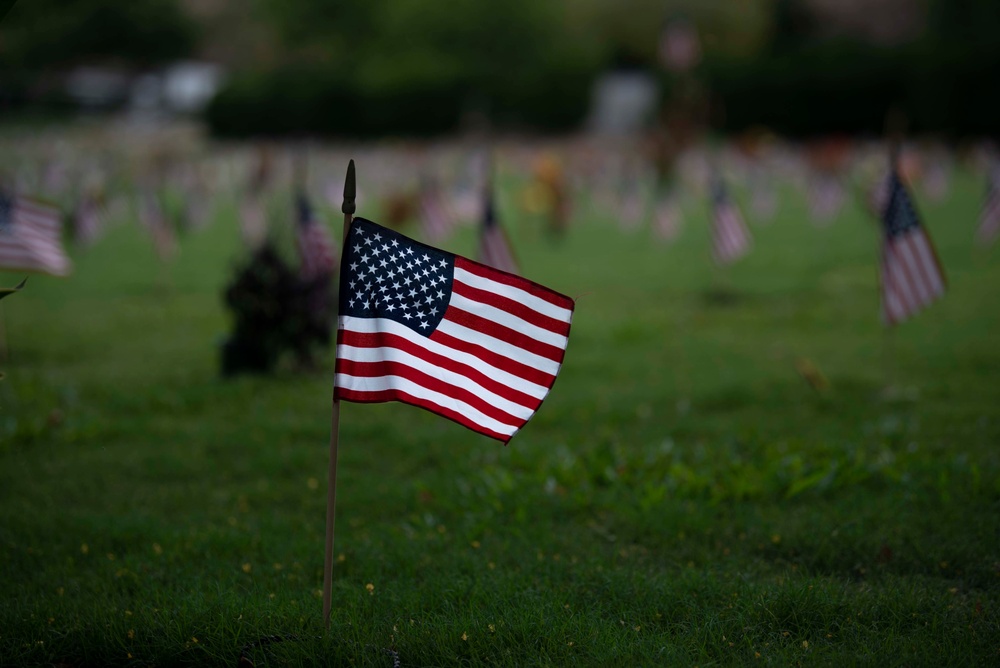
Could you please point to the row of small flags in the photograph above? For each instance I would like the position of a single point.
(30, 232)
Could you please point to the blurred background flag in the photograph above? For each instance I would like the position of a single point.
(155, 220)
(31, 237)
(316, 248)
(435, 330)
(730, 236)
(911, 275)
(989, 219)
(494, 247)
(434, 213)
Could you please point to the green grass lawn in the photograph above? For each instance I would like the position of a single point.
(683, 498)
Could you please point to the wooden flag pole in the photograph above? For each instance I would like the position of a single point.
(348, 208)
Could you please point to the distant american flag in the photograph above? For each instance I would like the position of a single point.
(435, 215)
(911, 275)
(155, 220)
(826, 197)
(436, 330)
(87, 221)
(31, 237)
(316, 248)
(667, 218)
(989, 218)
(730, 237)
(494, 247)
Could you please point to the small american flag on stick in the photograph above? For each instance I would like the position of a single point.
(494, 247)
(316, 248)
(432, 329)
(31, 237)
(730, 236)
(911, 274)
(989, 218)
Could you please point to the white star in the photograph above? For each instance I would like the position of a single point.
(385, 247)
(378, 237)
(424, 288)
(429, 300)
(434, 311)
(394, 243)
(426, 258)
(396, 286)
(409, 251)
(407, 280)
(354, 266)
(365, 258)
(407, 315)
(368, 241)
(357, 248)
(419, 259)
(443, 264)
(389, 307)
(383, 263)
(380, 278)
(413, 293)
(376, 250)
(409, 265)
(352, 303)
(423, 324)
(440, 295)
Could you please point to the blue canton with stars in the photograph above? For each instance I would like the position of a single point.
(900, 216)
(387, 275)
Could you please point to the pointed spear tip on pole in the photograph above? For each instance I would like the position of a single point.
(350, 190)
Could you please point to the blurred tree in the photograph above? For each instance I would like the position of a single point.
(43, 34)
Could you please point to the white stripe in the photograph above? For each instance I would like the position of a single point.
(517, 294)
(376, 325)
(498, 346)
(389, 354)
(508, 320)
(384, 383)
(921, 247)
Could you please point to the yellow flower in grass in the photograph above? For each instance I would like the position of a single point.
(84, 548)
(247, 568)
(131, 634)
(371, 588)
(465, 636)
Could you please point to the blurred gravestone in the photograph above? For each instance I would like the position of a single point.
(623, 102)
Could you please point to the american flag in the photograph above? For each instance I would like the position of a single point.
(989, 218)
(826, 197)
(436, 330)
(911, 275)
(435, 216)
(155, 220)
(31, 237)
(730, 237)
(494, 247)
(87, 221)
(667, 218)
(315, 246)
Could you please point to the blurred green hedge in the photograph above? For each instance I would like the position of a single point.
(316, 100)
(948, 88)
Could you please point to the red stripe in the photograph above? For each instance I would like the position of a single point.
(387, 340)
(529, 373)
(506, 334)
(388, 368)
(510, 306)
(505, 278)
(396, 395)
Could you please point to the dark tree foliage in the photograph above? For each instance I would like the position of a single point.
(41, 34)
(274, 313)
